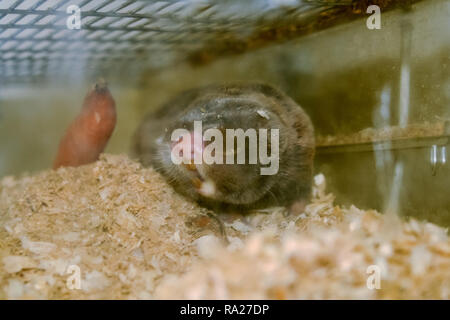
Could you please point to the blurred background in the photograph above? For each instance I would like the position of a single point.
(379, 98)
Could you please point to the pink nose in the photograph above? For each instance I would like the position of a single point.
(191, 146)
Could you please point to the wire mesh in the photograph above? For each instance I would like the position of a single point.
(124, 37)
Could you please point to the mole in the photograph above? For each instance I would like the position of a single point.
(262, 128)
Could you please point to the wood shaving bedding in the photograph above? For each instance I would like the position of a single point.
(130, 236)
(419, 130)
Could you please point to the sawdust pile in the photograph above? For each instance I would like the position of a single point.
(129, 235)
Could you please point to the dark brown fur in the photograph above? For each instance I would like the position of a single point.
(240, 187)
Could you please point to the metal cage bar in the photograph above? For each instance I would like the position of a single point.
(36, 43)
